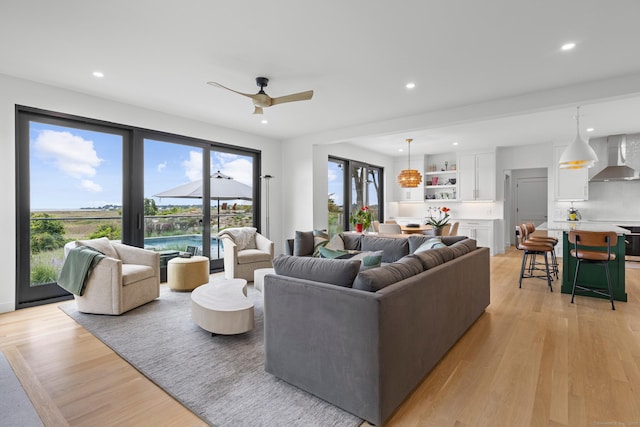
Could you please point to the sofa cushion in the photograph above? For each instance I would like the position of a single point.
(432, 243)
(352, 241)
(429, 259)
(374, 279)
(249, 256)
(416, 240)
(101, 245)
(339, 272)
(394, 248)
(132, 273)
(463, 247)
(303, 243)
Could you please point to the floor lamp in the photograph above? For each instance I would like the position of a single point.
(267, 178)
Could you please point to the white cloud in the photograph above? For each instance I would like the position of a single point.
(89, 185)
(240, 169)
(71, 154)
(193, 166)
(332, 175)
(162, 166)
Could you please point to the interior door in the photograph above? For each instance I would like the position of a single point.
(531, 200)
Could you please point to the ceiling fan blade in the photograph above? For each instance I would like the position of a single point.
(302, 96)
(257, 110)
(248, 95)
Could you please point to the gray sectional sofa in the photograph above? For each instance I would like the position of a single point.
(362, 350)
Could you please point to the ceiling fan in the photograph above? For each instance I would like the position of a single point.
(262, 100)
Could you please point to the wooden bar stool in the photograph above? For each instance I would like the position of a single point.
(531, 249)
(587, 248)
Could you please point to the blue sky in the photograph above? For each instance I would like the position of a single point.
(72, 168)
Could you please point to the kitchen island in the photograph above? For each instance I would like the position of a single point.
(591, 275)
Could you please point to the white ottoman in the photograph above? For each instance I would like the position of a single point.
(222, 307)
(258, 277)
(185, 274)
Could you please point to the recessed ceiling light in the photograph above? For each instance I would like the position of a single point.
(455, 143)
(590, 129)
(99, 74)
(568, 46)
(400, 150)
(410, 85)
(264, 121)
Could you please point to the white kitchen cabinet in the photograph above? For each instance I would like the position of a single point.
(571, 184)
(477, 174)
(480, 230)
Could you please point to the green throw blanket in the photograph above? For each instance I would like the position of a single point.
(77, 268)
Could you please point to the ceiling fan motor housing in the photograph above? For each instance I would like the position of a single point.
(262, 82)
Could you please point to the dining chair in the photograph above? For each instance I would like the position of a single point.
(588, 249)
(390, 229)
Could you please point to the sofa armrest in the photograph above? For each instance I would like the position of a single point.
(324, 339)
(103, 288)
(264, 244)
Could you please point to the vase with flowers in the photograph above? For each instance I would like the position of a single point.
(361, 219)
(438, 218)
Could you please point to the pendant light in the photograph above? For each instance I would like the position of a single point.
(409, 178)
(579, 154)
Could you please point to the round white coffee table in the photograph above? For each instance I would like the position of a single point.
(222, 307)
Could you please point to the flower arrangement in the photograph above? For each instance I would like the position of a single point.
(438, 217)
(362, 216)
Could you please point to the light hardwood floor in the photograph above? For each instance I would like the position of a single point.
(532, 359)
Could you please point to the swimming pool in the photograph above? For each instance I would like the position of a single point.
(180, 243)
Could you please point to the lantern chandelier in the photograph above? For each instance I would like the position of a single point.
(409, 178)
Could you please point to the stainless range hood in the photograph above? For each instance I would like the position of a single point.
(616, 169)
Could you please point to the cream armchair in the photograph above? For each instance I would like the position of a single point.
(127, 278)
(245, 250)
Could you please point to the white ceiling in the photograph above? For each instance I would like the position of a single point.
(487, 72)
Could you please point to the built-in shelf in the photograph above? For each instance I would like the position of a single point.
(441, 186)
(449, 172)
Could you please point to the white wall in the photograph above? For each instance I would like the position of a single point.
(23, 92)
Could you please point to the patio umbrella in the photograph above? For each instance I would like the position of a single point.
(222, 187)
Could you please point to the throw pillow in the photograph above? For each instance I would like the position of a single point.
(369, 259)
(434, 242)
(332, 253)
(320, 240)
(102, 245)
(340, 272)
(336, 243)
(303, 243)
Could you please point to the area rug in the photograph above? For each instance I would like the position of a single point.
(219, 378)
(15, 406)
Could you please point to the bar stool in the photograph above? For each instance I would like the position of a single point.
(552, 240)
(531, 248)
(584, 250)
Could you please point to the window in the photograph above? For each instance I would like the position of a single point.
(81, 178)
(348, 192)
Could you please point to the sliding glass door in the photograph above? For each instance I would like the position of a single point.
(70, 187)
(81, 179)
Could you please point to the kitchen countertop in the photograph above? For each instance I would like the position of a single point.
(581, 225)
